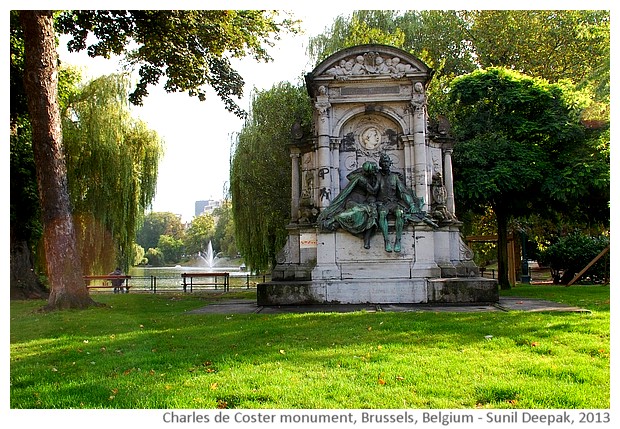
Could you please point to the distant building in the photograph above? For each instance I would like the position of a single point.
(206, 206)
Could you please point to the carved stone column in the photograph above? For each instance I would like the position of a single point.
(409, 161)
(448, 180)
(295, 186)
(418, 104)
(324, 184)
(335, 149)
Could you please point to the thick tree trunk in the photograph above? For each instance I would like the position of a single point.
(502, 248)
(67, 288)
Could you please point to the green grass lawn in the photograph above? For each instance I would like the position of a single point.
(145, 351)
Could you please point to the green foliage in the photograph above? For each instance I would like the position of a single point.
(138, 255)
(571, 253)
(112, 163)
(362, 27)
(171, 249)
(549, 44)
(156, 224)
(505, 123)
(199, 233)
(519, 139)
(224, 236)
(24, 194)
(260, 175)
(189, 49)
(155, 257)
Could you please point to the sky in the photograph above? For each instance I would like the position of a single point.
(197, 134)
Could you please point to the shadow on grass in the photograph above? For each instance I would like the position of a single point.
(145, 352)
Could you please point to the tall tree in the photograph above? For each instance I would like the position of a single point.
(260, 174)
(67, 289)
(199, 232)
(551, 44)
(365, 26)
(224, 235)
(190, 48)
(112, 163)
(520, 148)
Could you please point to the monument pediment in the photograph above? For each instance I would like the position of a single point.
(369, 61)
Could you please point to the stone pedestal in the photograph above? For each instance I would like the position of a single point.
(388, 291)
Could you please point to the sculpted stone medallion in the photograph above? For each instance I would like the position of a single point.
(370, 138)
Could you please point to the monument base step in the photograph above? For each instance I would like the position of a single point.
(372, 291)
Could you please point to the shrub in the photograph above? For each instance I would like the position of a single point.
(571, 254)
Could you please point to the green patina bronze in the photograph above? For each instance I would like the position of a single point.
(372, 196)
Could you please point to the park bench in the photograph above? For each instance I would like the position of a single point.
(205, 279)
(105, 281)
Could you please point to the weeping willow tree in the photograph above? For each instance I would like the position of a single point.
(112, 162)
(260, 173)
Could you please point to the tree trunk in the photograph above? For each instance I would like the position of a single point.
(502, 248)
(24, 282)
(67, 287)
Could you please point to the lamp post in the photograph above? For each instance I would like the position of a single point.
(525, 269)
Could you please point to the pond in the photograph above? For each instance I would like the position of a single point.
(169, 279)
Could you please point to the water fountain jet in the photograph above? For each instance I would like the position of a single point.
(209, 258)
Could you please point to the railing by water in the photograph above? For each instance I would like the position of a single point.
(162, 283)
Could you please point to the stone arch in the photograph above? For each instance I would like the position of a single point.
(364, 136)
(385, 110)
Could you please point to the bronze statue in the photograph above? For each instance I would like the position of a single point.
(354, 208)
(371, 196)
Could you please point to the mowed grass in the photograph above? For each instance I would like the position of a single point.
(145, 351)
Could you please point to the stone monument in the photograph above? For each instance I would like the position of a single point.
(372, 204)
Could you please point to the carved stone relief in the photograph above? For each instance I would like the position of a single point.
(370, 63)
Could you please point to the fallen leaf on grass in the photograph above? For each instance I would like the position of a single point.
(213, 386)
(282, 352)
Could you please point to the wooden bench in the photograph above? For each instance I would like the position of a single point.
(103, 282)
(188, 280)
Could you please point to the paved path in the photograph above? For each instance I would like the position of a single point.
(246, 306)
